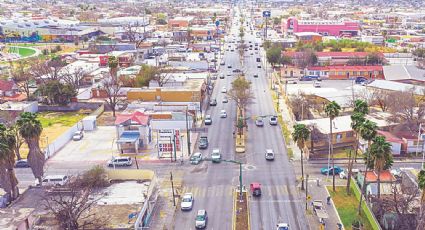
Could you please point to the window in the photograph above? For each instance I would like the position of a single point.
(349, 134)
(355, 73)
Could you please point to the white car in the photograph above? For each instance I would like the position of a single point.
(344, 174)
(53, 180)
(78, 135)
(224, 89)
(282, 226)
(225, 100)
(187, 202)
(215, 155)
(223, 113)
(269, 154)
(120, 161)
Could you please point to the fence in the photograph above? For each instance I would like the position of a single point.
(365, 206)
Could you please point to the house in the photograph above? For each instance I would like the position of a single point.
(179, 22)
(386, 178)
(347, 72)
(133, 131)
(8, 88)
(308, 37)
(324, 27)
(342, 133)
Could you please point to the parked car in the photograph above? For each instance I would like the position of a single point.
(222, 63)
(201, 219)
(216, 156)
(208, 120)
(223, 113)
(259, 122)
(229, 66)
(330, 170)
(360, 80)
(23, 163)
(213, 102)
(196, 158)
(187, 202)
(269, 154)
(255, 75)
(259, 66)
(317, 84)
(120, 161)
(203, 142)
(53, 180)
(282, 226)
(78, 135)
(237, 71)
(221, 76)
(310, 78)
(225, 100)
(273, 120)
(344, 174)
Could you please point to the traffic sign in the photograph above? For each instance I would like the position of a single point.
(217, 23)
(266, 14)
(308, 197)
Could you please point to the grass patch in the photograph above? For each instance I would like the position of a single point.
(290, 153)
(345, 153)
(285, 130)
(67, 119)
(347, 207)
(25, 52)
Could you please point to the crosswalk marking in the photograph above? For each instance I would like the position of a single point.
(226, 191)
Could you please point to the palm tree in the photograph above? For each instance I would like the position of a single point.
(332, 110)
(357, 120)
(421, 184)
(30, 129)
(300, 135)
(367, 132)
(381, 157)
(361, 108)
(7, 162)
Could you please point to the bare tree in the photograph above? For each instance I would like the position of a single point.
(112, 89)
(305, 58)
(45, 71)
(22, 76)
(132, 33)
(406, 109)
(162, 75)
(300, 105)
(74, 77)
(73, 208)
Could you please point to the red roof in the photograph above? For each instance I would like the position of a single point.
(390, 137)
(386, 176)
(138, 117)
(347, 68)
(333, 54)
(6, 85)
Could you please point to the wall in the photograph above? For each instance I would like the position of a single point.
(166, 96)
(130, 174)
(61, 141)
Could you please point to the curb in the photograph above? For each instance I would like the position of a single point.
(248, 210)
(333, 205)
(234, 211)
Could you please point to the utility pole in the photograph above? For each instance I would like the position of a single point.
(174, 145)
(187, 135)
(306, 192)
(172, 187)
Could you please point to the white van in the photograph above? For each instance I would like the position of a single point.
(53, 180)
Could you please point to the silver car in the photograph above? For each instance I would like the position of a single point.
(201, 219)
(269, 154)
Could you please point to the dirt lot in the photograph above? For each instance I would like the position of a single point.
(242, 213)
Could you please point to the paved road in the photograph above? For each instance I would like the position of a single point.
(212, 183)
(280, 201)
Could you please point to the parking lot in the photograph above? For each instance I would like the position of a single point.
(95, 148)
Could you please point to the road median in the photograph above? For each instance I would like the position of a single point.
(240, 211)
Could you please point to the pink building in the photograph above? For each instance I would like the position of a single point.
(323, 27)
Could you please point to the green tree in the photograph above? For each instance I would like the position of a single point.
(374, 59)
(357, 120)
(368, 132)
(30, 129)
(332, 110)
(113, 66)
(56, 92)
(286, 60)
(145, 75)
(300, 136)
(274, 55)
(8, 179)
(381, 157)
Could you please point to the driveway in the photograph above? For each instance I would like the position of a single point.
(96, 147)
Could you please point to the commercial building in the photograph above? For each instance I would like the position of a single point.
(324, 27)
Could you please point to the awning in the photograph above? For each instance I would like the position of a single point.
(129, 137)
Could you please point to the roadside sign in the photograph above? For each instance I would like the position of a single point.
(217, 23)
(266, 14)
(308, 197)
(199, 130)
